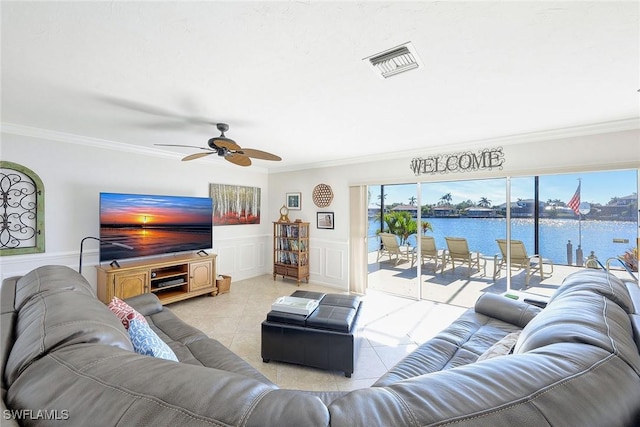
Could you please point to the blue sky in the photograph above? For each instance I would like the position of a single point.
(597, 187)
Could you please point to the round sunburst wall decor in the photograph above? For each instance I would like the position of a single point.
(322, 195)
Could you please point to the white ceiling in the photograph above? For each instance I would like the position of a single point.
(289, 77)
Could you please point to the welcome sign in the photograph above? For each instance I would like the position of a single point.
(485, 159)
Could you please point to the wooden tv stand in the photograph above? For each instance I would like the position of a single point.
(171, 279)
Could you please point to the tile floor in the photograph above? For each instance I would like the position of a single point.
(393, 327)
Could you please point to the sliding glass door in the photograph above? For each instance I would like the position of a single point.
(392, 243)
(563, 221)
(463, 219)
(588, 215)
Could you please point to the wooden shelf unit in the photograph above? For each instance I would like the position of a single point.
(291, 250)
(171, 279)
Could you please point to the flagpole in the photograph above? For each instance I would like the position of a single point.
(579, 231)
(580, 216)
(574, 204)
(579, 254)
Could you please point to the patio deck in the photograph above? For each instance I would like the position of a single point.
(453, 286)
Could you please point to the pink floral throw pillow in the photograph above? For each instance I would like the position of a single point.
(124, 312)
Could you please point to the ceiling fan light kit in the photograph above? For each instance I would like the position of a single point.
(227, 148)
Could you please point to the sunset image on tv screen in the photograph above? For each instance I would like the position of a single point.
(153, 224)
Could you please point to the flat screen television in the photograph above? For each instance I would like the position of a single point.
(153, 225)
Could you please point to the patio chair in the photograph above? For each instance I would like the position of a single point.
(520, 260)
(428, 251)
(392, 248)
(458, 250)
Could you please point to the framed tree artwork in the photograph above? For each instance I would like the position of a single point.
(235, 204)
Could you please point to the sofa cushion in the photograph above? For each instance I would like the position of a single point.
(60, 313)
(577, 313)
(50, 278)
(147, 342)
(461, 343)
(124, 312)
(501, 348)
(145, 304)
(190, 345)
(597, 281)
(518, 313)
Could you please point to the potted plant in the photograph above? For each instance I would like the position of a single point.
(401, 224)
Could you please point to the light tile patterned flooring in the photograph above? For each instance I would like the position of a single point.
(393, 327)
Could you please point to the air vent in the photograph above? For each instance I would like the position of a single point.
(394, 61)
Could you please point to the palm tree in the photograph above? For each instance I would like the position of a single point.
(401, 224)
(412, 201)
(484, 202)
(381, 197)
(446, 199)
(426, 226)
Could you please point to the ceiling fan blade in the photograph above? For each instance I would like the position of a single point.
(179, 145)
(155, 111)
(238, 159)
(136, 106)
(196, 156)
(258, 154)
(227, 143)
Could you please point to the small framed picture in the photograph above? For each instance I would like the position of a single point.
(325, 220)
(294, 201)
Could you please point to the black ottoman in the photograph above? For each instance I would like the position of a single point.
(329, 338)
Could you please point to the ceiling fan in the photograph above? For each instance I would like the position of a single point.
(227, 148)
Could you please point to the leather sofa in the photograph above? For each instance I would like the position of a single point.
(67, 360)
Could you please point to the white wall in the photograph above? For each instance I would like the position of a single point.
(329, 262)
(74, 174)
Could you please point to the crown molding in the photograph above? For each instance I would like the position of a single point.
(561, 133)
(87, 141)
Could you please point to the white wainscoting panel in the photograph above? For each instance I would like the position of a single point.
(315, 261)
(247, 255)
(328, 263)
(334, 264)
(19, 265)
(243, 257)
(226, 259)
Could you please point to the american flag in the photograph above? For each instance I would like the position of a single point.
(574, 203)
